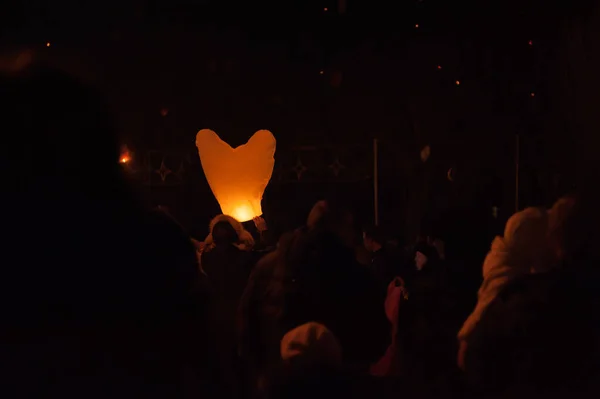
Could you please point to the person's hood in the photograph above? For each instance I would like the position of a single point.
(311, 345)
(521, 251)
(525, 235)
(521, 225)
(245, 239)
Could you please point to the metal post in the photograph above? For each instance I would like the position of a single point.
(517, 157)
(375, 182)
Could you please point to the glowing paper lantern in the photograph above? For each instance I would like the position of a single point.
(125, 156)
(237, 176)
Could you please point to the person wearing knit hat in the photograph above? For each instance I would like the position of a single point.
(311, 345)
(312, 365)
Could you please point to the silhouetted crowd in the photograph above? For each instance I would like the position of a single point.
(106, 298)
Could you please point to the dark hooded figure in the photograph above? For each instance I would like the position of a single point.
(100, 295)
(539, 337)
(314, 276)
(227, 263)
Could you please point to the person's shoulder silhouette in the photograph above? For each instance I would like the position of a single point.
(87, 262)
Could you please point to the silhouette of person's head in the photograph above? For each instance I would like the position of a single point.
(321, 246)
(85, 259)
(60, 130)
(224, 234)
(61, 154)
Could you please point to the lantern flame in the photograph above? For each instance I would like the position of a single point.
(237, 176)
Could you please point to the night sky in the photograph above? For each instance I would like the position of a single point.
(463, 77)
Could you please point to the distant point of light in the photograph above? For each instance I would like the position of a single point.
(532, 94)
(125, 159)
(439, 67)
(325, 9)
(531, 42)
(458, 82)
(47, 44)
(416, 25)
(321, 72)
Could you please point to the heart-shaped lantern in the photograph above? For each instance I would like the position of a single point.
(237, 176)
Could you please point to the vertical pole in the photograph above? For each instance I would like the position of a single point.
(375, 182)
(517, 157)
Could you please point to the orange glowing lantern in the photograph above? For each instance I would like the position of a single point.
(125, 156)
(237, 176)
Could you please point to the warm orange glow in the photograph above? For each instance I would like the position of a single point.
(125, 155)
(321, 72)
(532, 94)
(325, 9)
(237, 176)
(458, 82)
(416, 25)
(439, 67)
(48, 44)
(244, 212)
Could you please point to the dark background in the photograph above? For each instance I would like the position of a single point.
(327, 83)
